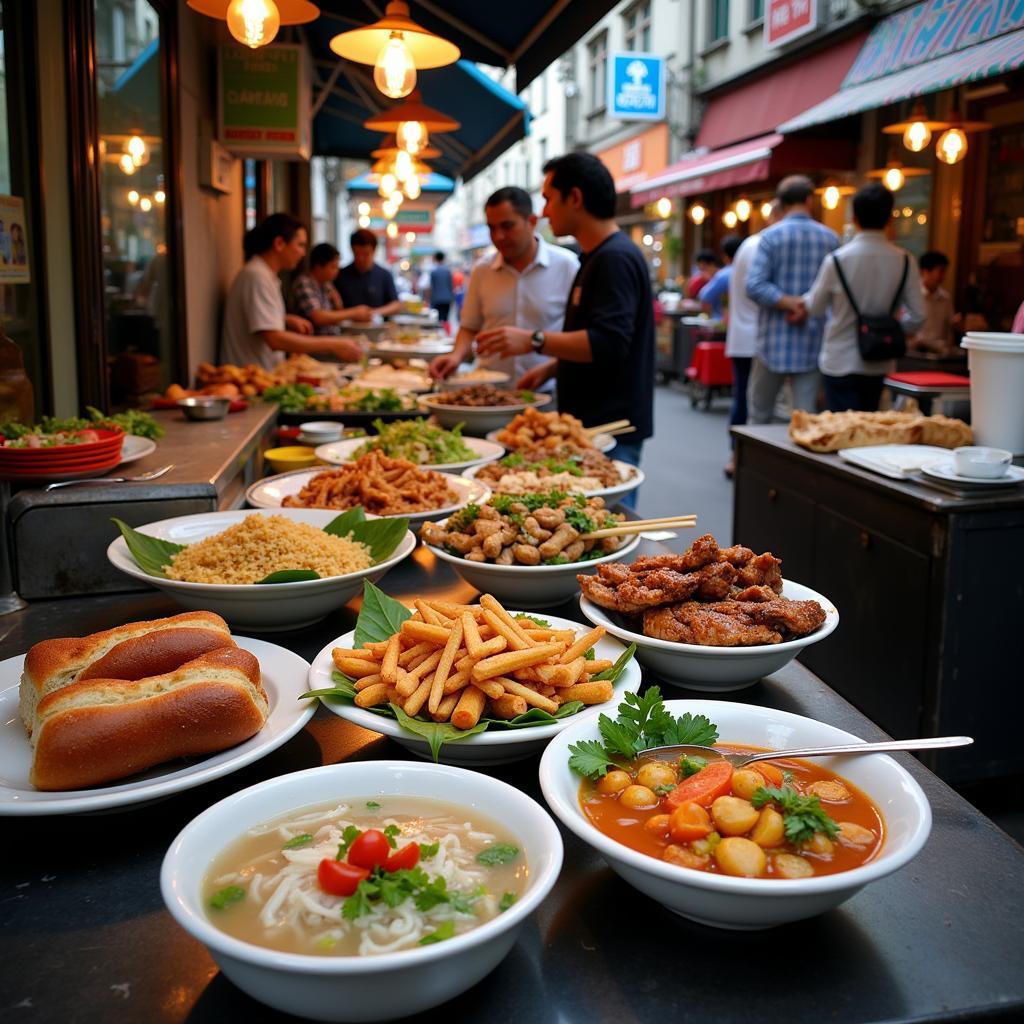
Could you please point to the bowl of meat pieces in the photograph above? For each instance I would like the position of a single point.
(712, 618)
(480, 407)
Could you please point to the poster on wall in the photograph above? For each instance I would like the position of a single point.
(786, 20)
(13, 241)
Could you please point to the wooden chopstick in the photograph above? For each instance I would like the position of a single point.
(621, 430)
(641, 526)
(605, 427)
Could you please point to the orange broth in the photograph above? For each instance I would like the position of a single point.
(626, 825)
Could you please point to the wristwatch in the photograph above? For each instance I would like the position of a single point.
(537, 339)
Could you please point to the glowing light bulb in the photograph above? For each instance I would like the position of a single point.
(917, 136)
(397, 198)
(952, 146)
(133, 197)
(389, 209)
(410, 236)
(253, 23)
(729, 218)
(403, 165)
(412, 187)
(412, 136)
(145, 204)
(135, 147)
(126, 163)
(663, 207)
(830, 197)
(743, 209)
(698, 213)
(159, 196)
(648, 239)
(392, 230)
(766, 209)
(364, 209)
(364, 219)
(908, 211)
(894, 178)
(922, 219)
(388, 184)
(394, 72)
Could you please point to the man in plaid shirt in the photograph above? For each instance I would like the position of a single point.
(784, 268)
(314, 296)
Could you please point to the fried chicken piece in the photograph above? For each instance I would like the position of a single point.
(791, 618)
(736, 555)
(659, 586)
(757, 593)
(703, 551)
(762, 570)
(696, 623)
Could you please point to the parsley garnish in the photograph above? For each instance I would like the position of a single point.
(222, 899)
(392, 832)
(428, 850)
(802, 815)
(372, 804)
(590, 655)
(536, 620)
(690, 765)
(296, 841)
(499, 853)
(641, 723)
(359, 902)
(348, 837)
(506, 901)
(445, 930)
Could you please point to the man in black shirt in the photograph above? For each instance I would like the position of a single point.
(364, 282)
(604, 356)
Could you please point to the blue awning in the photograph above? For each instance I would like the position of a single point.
(492, 118)
(530, 34)
(435, 184)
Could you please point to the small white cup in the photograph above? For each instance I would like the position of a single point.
(982, 463)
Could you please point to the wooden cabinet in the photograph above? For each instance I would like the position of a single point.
(929, 587)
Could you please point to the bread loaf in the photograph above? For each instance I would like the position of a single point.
(106, 706)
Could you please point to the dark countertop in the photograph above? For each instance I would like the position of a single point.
(776, 438)
(84, 935)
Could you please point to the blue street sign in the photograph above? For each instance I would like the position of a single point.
(636, 86)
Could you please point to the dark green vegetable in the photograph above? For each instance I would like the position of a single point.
(506, 901)
(499, 853)
(296, 841)
(223, 899)
(444, 931)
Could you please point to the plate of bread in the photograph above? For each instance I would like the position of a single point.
(141, 711)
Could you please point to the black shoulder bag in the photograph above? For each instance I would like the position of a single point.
(878, 337)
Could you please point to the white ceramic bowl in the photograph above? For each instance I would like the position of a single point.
(527, 586)
(493, 746)
(980, 462)
(322, 431)
(631, 476)
(747, 903)
(269, 492)
(602, 442)
(339, 453)
(496, 379)
(353, 988)
(266, 608)
(477, 419)
(716, 669)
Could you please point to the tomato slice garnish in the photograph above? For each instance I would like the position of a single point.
(370, 850)
(404, 859)
(338, 878)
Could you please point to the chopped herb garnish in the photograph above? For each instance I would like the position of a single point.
(428, 850)
(506, 901)
(372, 805)
(348, 837)
(359, 902)
(690, 765)
(222, 899)
(802, 815)
(392, 832)
(590, 655)
(445, 930)
(296, 841)
(499, 853)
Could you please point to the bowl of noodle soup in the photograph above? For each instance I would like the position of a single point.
(244, 879)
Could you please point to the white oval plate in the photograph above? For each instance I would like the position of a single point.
(270, 492)
(602, 442)
(627, 485)
(943, 470)
(337, 453)
(284, 679)
(496, 745)
(135, 447)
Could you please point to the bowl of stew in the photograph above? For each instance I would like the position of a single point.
(717, 852)
(363, 891)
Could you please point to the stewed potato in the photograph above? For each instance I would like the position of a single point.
(638, 797)
(614, 782)
(789, 865)
(746, 782)
(733, 816)
(657, 773)
(770, 830)
(740, 857)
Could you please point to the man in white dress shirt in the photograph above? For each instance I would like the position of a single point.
(525, 284)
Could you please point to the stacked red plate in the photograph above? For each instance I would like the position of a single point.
(64, 461)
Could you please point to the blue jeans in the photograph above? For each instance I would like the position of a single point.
(628, 451)
(740, 380)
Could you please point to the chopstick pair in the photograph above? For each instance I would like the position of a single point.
(641, 526)
(607, 428)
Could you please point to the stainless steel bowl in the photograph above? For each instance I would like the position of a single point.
(204, 407)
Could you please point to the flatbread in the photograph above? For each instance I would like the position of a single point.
(833, 431)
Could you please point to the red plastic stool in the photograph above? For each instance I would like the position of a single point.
(709, 374)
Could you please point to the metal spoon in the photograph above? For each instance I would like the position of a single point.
(151, 475)
(740, 760)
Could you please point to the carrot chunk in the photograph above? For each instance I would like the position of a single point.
(704, 788)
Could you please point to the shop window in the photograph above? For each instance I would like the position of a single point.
(718, 21)
(597, 70)
(139, 311)
(637, 27)
(755, 11)
(911, 214)
(22, 296)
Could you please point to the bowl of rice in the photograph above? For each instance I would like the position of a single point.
(227, 553)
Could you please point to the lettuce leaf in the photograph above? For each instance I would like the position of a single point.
(151, 554)
(380, 616)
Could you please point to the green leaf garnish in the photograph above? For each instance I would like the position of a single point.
(348, 837)
(802, 815)
(498, 853)
(372, 804)
(536, 620)
(690, 765)
(290, 576)
(151, 554)
(428, 850)
(359, 902)
(296, 841)
(445, 930)
(380, 616)
(435, 733)
(222, 899)
(506, 901)
(391, 833)
(589, 759)
(612, 674)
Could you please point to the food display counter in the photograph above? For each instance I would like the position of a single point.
(925, 580)
(86, 937)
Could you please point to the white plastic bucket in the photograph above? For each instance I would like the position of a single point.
(997, 389)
